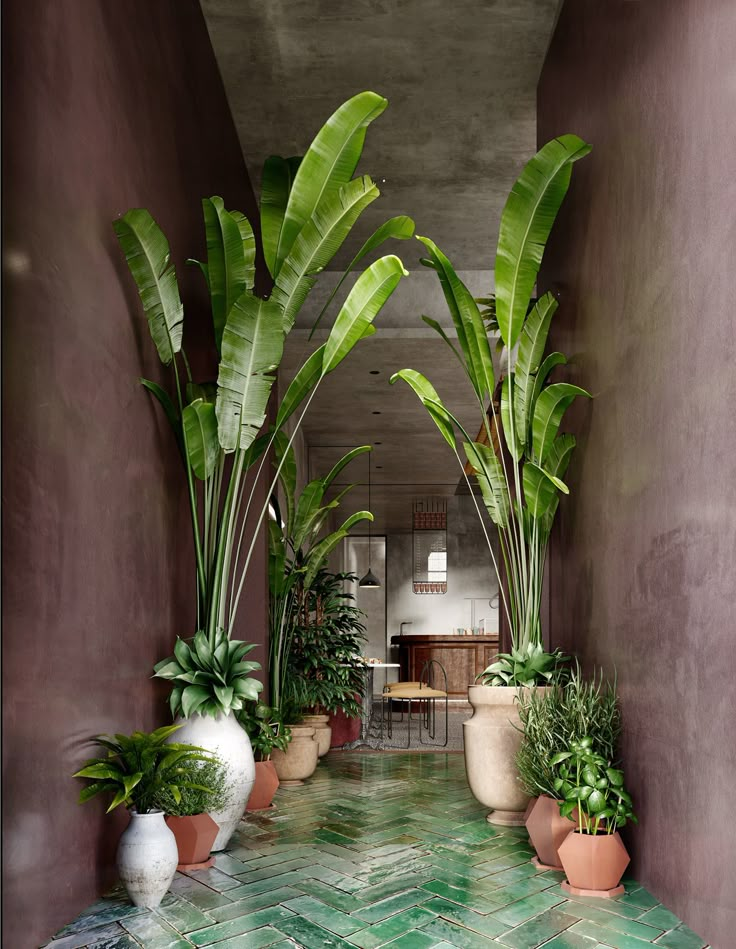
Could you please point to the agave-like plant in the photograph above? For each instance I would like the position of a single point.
(520, 459)
(308, 207)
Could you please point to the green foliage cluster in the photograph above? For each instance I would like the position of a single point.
(525, 667)
(554, 718)
(203, 787)
(586, 781)
(265, 727)
(139, 768)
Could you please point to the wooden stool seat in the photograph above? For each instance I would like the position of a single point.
(419, 693)
(422, 692)
(391, 686)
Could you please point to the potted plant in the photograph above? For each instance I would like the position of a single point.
(308, 208)
(518, 459)
(593, 856)
(267, 733)
(203, 787)
(551, 721)
(136, 770)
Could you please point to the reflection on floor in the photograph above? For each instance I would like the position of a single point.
(378, 849)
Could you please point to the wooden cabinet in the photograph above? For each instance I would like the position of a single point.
(462, 657)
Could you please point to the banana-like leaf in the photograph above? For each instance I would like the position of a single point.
(318, 242)
(489, 475)
(329, 163)
(514, 443)
(397, 228)
(276, 182)
(284, 457)
(440, 332)
(200, 437)
(548, 411)
(249, 247)
(225, 262)
(526, 221)
(540, 490)
(321, 552)
(307, 506)
(558, 456)
(549, 363)
(345, 460)
(371, 290)
(302, 383)
(471, 331)
(427, 395)
(252, 346)
(531, 350)
(170, 410)
(149, 260)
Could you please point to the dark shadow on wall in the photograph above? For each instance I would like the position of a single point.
(106, 106)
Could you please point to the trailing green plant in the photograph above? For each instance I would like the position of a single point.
(138, 768)
(554, 718)
(524, 667)
(586, 781)
(521, 481)
(205, 788)
(265, 727)
(308, 208)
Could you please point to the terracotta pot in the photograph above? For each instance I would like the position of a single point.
(344, 730)
(530, 808)
(593, 864)
(547, 829)
(491, 738)
(267, 782)
(195, 836)
(299, 760)
(322, 730)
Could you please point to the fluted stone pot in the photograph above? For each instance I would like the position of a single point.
(322, 731)
(491, 738)
(298, 762)
(147, 858)
(225, 738)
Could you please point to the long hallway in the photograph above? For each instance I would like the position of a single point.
(377, 850)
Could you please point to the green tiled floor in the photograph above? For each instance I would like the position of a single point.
(377, 850)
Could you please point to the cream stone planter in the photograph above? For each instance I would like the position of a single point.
(298, 762)
(147, 858)
(492, 737)
(322, 731)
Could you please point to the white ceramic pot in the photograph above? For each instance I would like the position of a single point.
(147, 858)
(492, 737)
(224, 737)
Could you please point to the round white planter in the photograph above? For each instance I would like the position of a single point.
(224, 737)
(491, 742)
(147, 858)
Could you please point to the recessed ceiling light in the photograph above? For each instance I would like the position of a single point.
(377, 443)
(379, 466)
(376, 413)
(375, 372)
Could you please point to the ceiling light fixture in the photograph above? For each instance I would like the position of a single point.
(375, 372)
(370, 581)
(376, 413)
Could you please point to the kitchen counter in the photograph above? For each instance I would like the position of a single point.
(462, 657)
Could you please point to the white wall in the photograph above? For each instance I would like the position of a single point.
(371, 601)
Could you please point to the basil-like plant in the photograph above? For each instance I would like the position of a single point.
(138, 768)
(308, 208)
(519, 460)
(586, 781)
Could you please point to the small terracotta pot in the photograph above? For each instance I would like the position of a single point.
(547, 829)
(266, 785)
(195, 836)
(530, 808)
(322, 731)
(299, 760)
(593, 864)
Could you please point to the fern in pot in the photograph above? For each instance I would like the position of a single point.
(519, 458)
(308, 208)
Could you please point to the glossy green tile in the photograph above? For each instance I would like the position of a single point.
(571, 940)
(472, 898)
(681, 938)
(331, 895)
(485, 925)
(379, 933)
(611, 920)
(90, 937)
(182, 915)
(154, 933)
(221, 914)
(609, 937)
(660, 917)
(257, 939)
(242, 924)
(326, 916)
(394, 904)
(311, 936)
(518, 912)
(537, 930)
(416, 939)
(446, 931)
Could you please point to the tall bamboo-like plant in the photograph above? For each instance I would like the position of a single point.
(520, 485)
(308, 208)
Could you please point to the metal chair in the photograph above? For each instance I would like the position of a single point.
(423, 692)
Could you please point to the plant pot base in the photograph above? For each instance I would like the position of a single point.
(604, 894)
(260, 810)
(186, 867)
(506, 818)
(544, 866)
(291, 784)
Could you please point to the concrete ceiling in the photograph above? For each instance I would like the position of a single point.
(461, 81)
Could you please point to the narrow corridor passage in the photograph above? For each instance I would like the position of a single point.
(378, 850)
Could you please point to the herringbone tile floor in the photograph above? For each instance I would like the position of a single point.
(377, 850)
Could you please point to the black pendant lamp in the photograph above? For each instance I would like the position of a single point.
(370, 581)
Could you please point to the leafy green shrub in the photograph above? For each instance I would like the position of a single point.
(203, 786)
(265, 728)
(585, 780)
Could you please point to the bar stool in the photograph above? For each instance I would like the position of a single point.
(423, 692)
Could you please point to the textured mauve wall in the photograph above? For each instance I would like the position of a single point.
(643, 562)
(106, 105)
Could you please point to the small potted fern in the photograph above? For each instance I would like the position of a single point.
(203, 787)
(266, 732)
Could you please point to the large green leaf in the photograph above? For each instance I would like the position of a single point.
(252, 346)
(531, 349)
(548, 411)
(286, 461)
(343, 462)
(471, 330)
(249, 247)
(200, 437)
(396, 228)
(329, 163)
(170, 410)
(489, 475)
(225, 262)
(319, 554)
(302, 383)
(318, 242)
(371, 290)
(526, 221)
(147, 252)
(427, 395)
(276, 182)
(540, 491)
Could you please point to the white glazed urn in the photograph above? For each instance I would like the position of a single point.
(147, 858)
(224, 737)
(491, 738)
